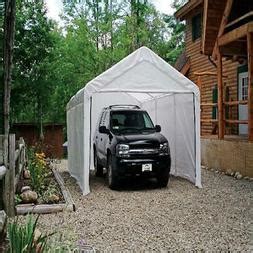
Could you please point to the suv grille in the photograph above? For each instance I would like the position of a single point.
(154, 145)
(144, 150)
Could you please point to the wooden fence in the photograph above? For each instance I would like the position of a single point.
(13, 157)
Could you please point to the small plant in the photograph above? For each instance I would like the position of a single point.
(18, 199)
(37, 167)
(22, 237)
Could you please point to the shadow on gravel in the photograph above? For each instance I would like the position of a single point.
(127, 184)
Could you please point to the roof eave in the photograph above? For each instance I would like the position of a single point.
(187, 8)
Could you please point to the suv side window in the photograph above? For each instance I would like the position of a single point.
(107, 120)
(102, 119)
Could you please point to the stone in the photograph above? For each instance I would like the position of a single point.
(3, 219)
(239, 176)
(236, 174)
(53, 198)
(246, 178)
(37, 235)
(27, 174)
(229, 172)
(25, 188)
(29, 196)
(251, 179)
(2, 171)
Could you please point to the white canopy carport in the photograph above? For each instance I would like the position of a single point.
(142, 78)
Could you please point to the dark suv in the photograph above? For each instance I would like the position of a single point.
(127, 143)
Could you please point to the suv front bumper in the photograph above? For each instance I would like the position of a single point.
(133, 166)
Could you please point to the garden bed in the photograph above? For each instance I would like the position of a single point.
(40, 188)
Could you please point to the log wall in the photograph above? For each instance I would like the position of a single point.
(201, 63)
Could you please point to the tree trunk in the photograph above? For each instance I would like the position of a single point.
(9, 28)
(111, 28)
(97, 28)
(137, 24)
(40, 119)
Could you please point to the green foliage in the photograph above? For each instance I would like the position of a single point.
(37, 168)
(178, 3)
(22, 237)
(18, 199)
(52, 63)
(34, 44)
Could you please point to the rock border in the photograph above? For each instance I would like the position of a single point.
(69, 204)
(228, 172)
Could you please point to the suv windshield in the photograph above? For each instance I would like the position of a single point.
(130, 121)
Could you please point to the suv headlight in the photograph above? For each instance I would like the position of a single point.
(164, 148)
(122, 150)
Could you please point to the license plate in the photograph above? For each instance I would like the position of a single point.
(146, 167)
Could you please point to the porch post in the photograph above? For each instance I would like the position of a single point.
(250, 86)
(220, 97)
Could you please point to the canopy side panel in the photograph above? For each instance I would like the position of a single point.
(175, 114)
(75, 126)
(198, 145)
(150, 107)
(185, 134)
(86, 129)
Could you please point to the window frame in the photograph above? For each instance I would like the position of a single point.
(196, 26)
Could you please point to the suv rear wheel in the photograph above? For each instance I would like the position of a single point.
(98, 167)
(112, 179)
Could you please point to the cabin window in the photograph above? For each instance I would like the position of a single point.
(245, 81)
(215, 99)
(196, 27)
(227, 97)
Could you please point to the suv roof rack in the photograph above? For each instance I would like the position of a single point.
(124, 106)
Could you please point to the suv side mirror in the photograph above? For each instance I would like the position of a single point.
(158, 128)
(103, 130)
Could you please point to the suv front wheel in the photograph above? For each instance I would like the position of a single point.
(112, 179)
(163, 178)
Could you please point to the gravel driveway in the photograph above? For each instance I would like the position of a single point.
(142, 217)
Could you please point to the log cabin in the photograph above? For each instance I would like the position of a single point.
(218, 57)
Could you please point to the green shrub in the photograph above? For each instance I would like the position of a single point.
(37, 168)
(22, 237)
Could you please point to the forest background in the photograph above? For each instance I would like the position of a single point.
(52, 61)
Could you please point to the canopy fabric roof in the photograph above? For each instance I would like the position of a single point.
(144, 79)
(119, 78)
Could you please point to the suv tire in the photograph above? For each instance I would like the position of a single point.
(98, 167)
(163, 178)
(112, 179)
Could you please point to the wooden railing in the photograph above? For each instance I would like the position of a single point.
(14, 161)
(226, 103)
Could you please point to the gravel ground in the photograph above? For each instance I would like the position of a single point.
(142, 217)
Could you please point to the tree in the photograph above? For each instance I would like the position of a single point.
(176, 44)
(74, 64)
(32, 58)
(9, 28)
(95, 35)
(2, 14)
